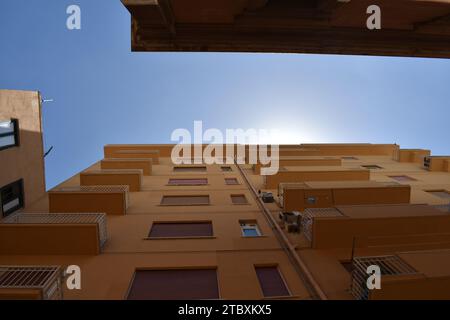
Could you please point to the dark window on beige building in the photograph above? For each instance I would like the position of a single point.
(180, 284)
(9, 134)
(226, 169)
(188, 182)
(250, 229)
(271, 282)
(189, 169)
(372, 167)
(185, 200)
(11, 197)
(238, 199)
(231, 181)
(402, 178)
(443, 194)
(181, 230)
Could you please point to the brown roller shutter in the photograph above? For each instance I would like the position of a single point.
(185, 200)
(272, 284)
(238, 199)
(186, 229)
(174, 285)
(231, 181)
(188, 182)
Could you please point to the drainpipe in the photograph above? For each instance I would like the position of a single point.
(300, 266)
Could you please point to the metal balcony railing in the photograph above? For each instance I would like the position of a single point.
(61, 218)
(308, 216)
(99, 189)
(47, 279)
(389, 265)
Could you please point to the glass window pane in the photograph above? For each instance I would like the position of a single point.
(7, 141)
(6, 127)
(250, 232)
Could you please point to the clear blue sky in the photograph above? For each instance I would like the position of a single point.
(105, 94)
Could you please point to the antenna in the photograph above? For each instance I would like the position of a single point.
(47, 100)
(48, 151)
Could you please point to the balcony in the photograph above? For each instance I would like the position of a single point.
(53, 233)
(314, 173)
(112, 200)
(130, 177)
(30, 283)
(143, 164)
(138, 154)
(378, 229)
(390, 266)
(327, 194)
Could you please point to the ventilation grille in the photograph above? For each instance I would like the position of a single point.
(389, 265)
(46, 279)
(308, 218)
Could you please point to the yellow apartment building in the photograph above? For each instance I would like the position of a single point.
(140, 227)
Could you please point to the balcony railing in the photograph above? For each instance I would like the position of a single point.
(99, 189)
(308, 218)
(46, 279)
(61, 218)
(389, 266)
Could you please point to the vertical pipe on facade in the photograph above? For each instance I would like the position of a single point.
(311, 284)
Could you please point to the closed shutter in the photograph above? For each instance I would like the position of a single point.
(185, 200)
(188, 182)
(272, 284)
(187, 229)
(239, 199)
(174, 285)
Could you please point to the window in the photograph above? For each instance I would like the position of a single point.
(349, 158)
(189, 169)
(372, 167)
(271, 282)
(250, 229)
(175, 284)
(402, 178)
(188, 182)
(9, 134)
(181, 230)
(443, 194)
(185, 200)
(11, 197)
(226, 169)
(238, 199)
(231, 181)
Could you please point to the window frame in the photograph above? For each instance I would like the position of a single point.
(372, 166)
(149, 237)
(250, 225)
(239, 195)
(189, 169)
(15, 134)
(283, 279)
(402, 178)
(232, 184)
(187, 184)
(433, 193)
(143, 269)
(187, 205)
(21, 198)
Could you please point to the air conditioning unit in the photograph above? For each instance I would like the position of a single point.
(267, 197)
(292, 220)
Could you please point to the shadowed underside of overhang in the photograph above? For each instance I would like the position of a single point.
(416, 28)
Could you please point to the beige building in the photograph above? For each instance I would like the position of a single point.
(140, 227)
